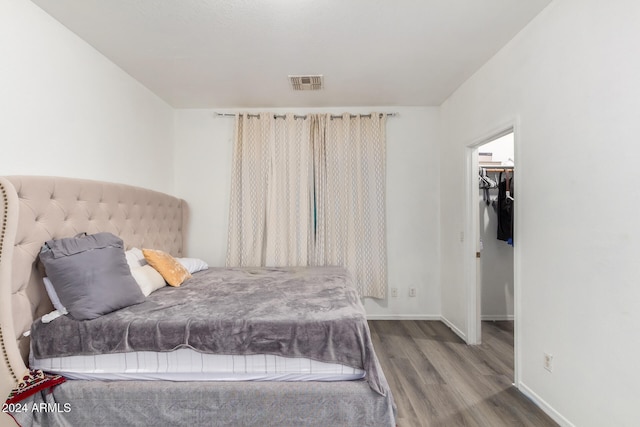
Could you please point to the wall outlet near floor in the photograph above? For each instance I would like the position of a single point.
(548, 362)
(412, 292)
(394, 292)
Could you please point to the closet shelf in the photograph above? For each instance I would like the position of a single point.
(496, 168)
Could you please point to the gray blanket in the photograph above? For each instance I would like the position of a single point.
(292, 312)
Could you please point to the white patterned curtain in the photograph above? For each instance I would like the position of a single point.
(350, 164)
(311, 191)
(289, 219)
(270, 215)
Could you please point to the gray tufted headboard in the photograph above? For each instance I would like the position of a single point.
(35, 209)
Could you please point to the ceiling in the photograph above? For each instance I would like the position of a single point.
(238, 53)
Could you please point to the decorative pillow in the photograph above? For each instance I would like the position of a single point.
(53, 296)
(90, 274)
(135, 258)
(172, 271)
(193, 265)
(148, 279)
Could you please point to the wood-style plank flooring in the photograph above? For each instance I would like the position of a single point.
(438, 380)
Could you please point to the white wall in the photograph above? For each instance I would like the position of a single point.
(203, 169)
(572, 79)
(496, 262)
(66, 110)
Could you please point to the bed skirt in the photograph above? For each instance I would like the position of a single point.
(99, 403)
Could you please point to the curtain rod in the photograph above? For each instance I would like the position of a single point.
(282, 116)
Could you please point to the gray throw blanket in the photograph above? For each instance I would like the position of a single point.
(293, 312)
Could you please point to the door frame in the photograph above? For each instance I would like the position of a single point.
(472, 245)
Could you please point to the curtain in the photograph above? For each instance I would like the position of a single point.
(350, 165)
(289, 219)
(310, 191)
(271, 187)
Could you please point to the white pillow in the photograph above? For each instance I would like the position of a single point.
(135, 258)
(148, 279)
(193, 265)
(53, 296)
(50, 317)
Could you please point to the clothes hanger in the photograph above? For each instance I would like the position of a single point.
(508, 181)
(485, 178)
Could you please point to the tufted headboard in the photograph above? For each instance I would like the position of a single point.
(35, 209)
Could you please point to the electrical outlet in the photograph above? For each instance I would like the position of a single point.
(394, 292)
(548, 362)
(412, 292)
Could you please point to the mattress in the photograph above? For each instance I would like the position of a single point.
(311, 312)
(190, 365)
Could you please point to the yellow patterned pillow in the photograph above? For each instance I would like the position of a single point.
(170, 269)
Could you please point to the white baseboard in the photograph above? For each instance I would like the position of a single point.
(403, 317)
(555, 415)
(497, 317)
(454, 328)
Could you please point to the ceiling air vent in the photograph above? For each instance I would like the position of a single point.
(306, 82)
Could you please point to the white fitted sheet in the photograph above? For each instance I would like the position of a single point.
(191, 365)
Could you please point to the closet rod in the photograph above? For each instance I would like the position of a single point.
(282, 116)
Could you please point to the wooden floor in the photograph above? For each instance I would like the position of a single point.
(438, 380)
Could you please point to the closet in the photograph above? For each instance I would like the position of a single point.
(497, 186)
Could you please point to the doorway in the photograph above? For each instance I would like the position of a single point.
(496, 165)
(491, 264)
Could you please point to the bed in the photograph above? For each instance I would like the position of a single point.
(37, 209)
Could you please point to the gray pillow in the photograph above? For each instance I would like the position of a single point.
(90, 274)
